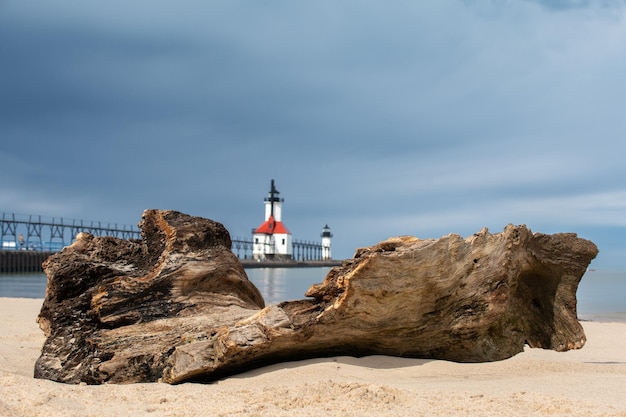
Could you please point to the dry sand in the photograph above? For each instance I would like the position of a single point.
(587, 382)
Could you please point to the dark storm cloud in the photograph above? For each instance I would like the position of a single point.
(379, 119)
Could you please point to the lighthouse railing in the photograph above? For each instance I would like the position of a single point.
(303, 250)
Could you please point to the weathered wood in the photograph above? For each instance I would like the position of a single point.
(177, 305)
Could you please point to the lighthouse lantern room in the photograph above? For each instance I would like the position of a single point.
(272, 240)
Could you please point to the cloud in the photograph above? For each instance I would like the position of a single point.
(376, 118)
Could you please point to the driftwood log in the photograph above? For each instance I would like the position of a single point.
(177, 305)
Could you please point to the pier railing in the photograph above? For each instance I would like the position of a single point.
(303, 250)
(51, 234)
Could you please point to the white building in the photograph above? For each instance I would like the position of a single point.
(326, 237)
(272, 239)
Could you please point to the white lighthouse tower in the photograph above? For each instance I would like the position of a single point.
(326, 237)
(272, 240)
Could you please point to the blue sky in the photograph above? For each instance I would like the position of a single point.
(376, 118)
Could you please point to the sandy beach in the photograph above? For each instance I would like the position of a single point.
(586, 382)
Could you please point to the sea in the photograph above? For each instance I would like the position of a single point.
(601, 294)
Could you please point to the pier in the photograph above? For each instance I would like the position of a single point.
(27, 240)
(50, 234)
(22, 261)
(250, 264)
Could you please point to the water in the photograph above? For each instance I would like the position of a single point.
(23, 285)
(285, 284)
(276, 284)
(601, 294)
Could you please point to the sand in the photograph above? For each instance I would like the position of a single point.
(586, 382)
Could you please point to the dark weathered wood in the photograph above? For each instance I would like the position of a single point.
(177, 306)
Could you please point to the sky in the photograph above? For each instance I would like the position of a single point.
(378, 118)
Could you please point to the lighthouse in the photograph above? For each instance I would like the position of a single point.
(272, 240)
(326, 236)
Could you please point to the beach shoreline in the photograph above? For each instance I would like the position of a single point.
(590, 381)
